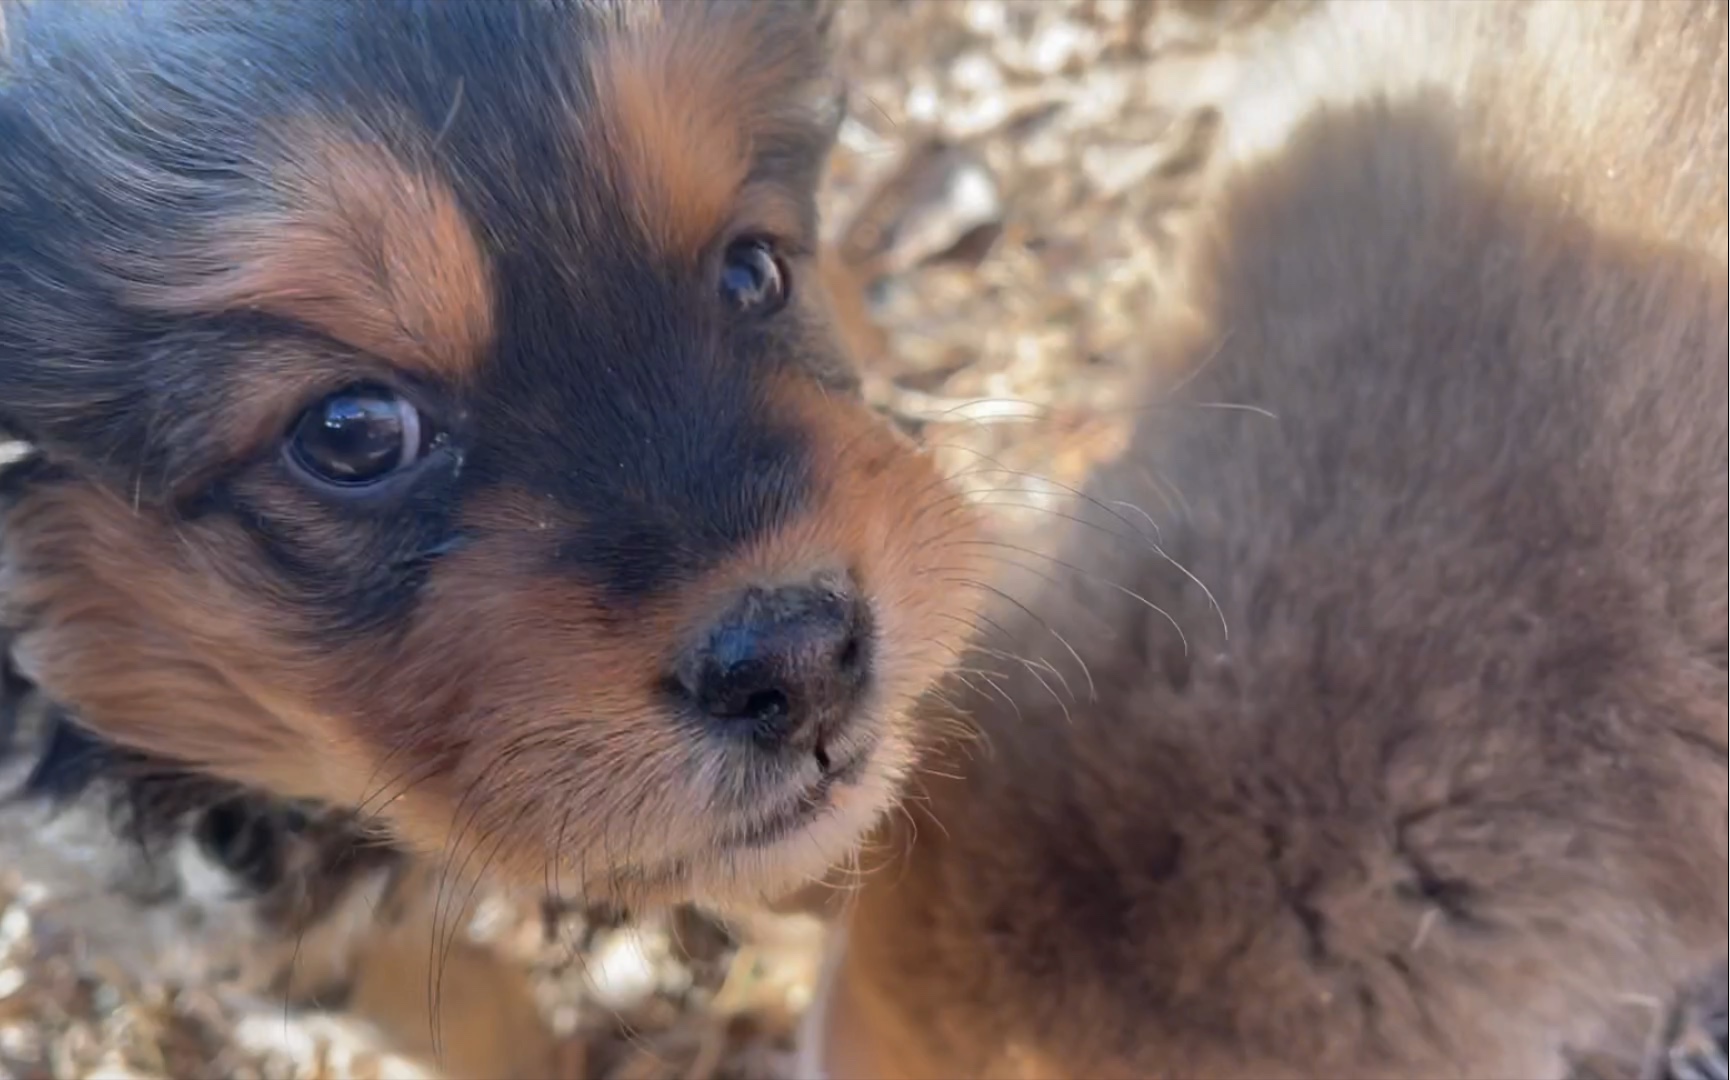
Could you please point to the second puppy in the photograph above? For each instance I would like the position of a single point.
(1400, 750)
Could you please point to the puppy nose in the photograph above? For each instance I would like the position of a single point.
(783, 666)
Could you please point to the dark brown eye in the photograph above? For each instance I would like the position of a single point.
(753, 281)
(356, 437)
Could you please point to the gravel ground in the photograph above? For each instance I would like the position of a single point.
(1003, 204)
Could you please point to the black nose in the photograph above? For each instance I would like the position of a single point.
(783, 666)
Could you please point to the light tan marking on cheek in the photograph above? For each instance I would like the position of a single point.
(136, 629)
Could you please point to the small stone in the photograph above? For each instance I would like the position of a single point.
(924, 103)
(1113, 12)
(21, 1042)
(14, 926)
(112, 1068)
(622, 970)
(975, 73)
(1113, 170)
(1058, 46)
(493, 917)
(105, 999)
(858, 138)
(969, 119)
(988, 18)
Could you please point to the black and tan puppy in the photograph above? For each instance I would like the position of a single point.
(1450, 464)
(435, 419)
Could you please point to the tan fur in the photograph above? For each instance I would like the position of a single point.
(1450, 800)
(393, 957)
(162, 657)
(685, 96)
(361, 247)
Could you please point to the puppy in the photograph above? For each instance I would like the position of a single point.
(434, 421)
(1400, 746)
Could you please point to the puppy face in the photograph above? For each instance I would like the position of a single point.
(442, 419)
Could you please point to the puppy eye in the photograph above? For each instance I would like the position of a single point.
(357, 436)
(753, 280)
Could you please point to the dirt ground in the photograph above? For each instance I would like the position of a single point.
(1002, 203)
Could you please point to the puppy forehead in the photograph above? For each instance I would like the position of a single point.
(691, 98)
(353, 241)
(637, 132)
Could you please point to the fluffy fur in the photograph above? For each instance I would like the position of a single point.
(1447, 458)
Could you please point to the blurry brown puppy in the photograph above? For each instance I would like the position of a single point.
(1448, 457)
(436, 420)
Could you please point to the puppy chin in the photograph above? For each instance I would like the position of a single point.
(735, 876)
(758, 875)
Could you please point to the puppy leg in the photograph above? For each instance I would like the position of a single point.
(381, 955)
(488, 1023)
(841, 1039)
